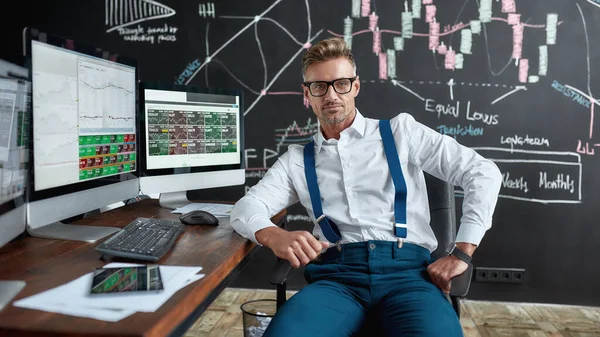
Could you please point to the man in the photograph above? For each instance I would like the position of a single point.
(380, 264)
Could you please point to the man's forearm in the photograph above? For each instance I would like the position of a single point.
(264, 235)
(466, 247)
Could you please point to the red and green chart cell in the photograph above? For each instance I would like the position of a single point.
(106, 155)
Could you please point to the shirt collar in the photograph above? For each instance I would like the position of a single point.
(358, 125)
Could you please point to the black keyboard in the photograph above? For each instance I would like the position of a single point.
(143, 239)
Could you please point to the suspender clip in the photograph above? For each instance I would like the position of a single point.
(338, 245)
(400, 243)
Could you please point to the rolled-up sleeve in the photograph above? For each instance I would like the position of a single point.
(273, 193)
(445, 158)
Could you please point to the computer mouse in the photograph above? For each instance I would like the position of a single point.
(199, 217)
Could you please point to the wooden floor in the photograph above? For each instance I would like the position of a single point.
(486, 319)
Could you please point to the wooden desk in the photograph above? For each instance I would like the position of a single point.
(45, 264)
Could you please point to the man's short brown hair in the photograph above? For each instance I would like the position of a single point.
(328, 49)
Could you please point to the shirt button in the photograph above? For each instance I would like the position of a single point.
(372, 246)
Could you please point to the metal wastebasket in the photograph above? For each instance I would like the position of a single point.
(257, 315)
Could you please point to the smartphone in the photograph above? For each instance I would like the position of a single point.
(126, 279)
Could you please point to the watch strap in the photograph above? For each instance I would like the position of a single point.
(460, 254)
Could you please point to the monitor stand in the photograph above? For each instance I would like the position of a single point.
(8, 291)
(62, 231)
(173, 200)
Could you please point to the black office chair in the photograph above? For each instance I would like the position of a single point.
(442, 209)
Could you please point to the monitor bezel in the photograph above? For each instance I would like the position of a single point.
(143, 164)
(31, 34)
(17, 75)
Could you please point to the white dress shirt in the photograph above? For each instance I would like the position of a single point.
(357, 190)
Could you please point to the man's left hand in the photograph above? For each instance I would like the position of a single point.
(443, 270)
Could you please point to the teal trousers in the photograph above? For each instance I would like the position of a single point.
(374, 279)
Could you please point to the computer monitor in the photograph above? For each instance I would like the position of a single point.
(84, 134)
(190, 138)
(14, 139)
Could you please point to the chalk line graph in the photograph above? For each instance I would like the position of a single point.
(267, 84)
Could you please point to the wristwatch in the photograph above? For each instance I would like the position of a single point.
(460, 254)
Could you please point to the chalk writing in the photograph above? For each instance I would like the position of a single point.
(520, 141)
(588, 149)
(460, 130)
(480, 116)
(189, 70)
(516, 183)
(562, 181)
(547, 176)
(298, 217)
(151, 35)
(574, 95)
(268, 156)
(454, 27)
(206, 10)
(441, 109)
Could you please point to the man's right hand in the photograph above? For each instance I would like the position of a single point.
(298, 247)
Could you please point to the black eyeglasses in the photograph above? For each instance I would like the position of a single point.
(341, 86)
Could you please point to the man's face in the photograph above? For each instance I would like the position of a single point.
(332, 108)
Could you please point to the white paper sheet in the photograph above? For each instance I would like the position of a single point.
(218, 210)
(73, 298)
(107, 315)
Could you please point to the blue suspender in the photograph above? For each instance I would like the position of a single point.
(385, 128)
(331, 231)
(329, 228)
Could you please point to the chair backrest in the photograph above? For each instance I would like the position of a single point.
(442, 209)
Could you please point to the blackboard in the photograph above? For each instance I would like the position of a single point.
(514, 79)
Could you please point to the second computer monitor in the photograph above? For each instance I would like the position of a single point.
(191, 138)
(84, 134)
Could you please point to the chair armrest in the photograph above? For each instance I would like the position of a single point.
(280, 272)
(460, 284)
